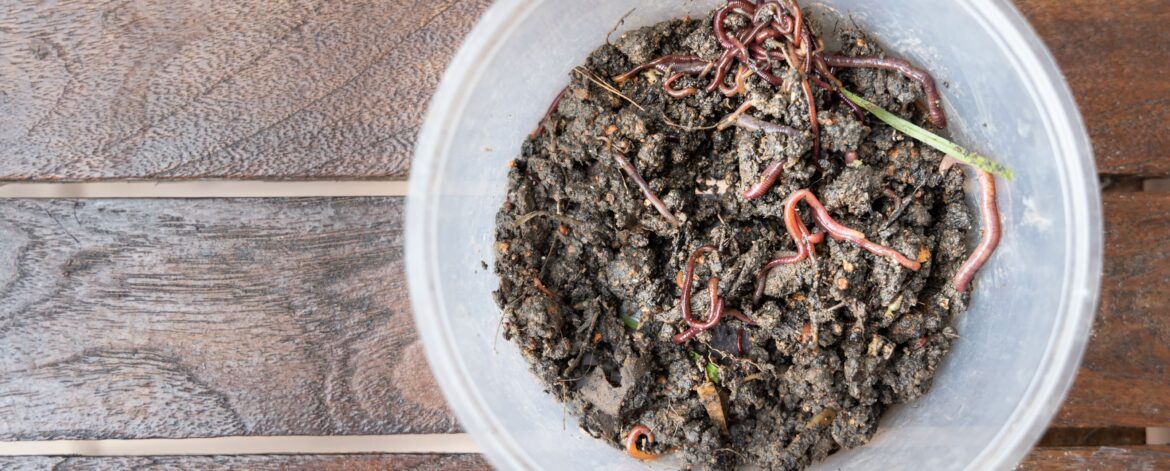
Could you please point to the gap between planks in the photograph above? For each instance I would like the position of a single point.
(267, 189)
(316, 445)
(319, 445)
(203, 189)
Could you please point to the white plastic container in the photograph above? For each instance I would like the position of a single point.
(1021, 340)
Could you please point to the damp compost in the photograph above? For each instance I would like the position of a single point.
(702, 266)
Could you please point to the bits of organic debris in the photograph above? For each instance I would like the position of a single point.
(765, 86)
(543, 289)
(822, 419)
(714, 402)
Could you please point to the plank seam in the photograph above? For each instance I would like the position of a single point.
(455, 443)
(203, 189)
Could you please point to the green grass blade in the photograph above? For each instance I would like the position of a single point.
(931, 139)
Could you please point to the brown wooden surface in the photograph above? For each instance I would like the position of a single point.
(1142, 458)
(190, 89)
(290, 317)
(196, 318)
(180, 318)
(313, 89)
(1115, 55)
(1046, 459)
(403, 462)
(1123, 380)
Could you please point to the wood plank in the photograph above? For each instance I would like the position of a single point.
(202, 318)
(1097, 459)
(189, 318)
(1124, 380)
(202, 89)
(1040, 459)
(405, 462)
(1082, 437)
(1114, 54)
(312, 89)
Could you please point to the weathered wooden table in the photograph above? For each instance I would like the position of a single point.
(220, 317)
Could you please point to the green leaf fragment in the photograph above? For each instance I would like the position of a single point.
(630, 322)
(931, 139)
(712, 368)
(713, 372)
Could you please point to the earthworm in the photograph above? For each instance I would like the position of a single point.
(840, 232)
(938, 117)
(714, 313)
(734, 117)
(805, 241)
(770, 175)
(824, 69)
(691, 332)
(771, 32)
(723, 64)
(989, 213)
(752, 123)
(741, 80)
(716, 306)
(821, 84)
(759, 53)
(739, 340)
(739, 87)
(736, 313)
(812, 118)
(677, 63)
(668, 85)
(765, 73)
(798, 21)
(857, 111)
(625, 164)
(721, 67)
(552, 107)
(688, 278)
(802, 252)
(636, 433)
(740, 7)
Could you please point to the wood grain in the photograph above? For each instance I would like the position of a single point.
(1114, 54)
(202, 318)
(309, 89)
(1124, 380)
(405, 462)
(185, 318)
(1144, 458)
(201, 88)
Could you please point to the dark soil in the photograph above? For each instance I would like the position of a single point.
(583, 259)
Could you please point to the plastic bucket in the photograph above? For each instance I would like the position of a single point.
(1022, 338)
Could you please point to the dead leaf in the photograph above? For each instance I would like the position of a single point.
(715, 404)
